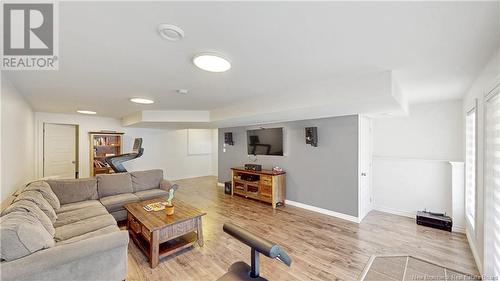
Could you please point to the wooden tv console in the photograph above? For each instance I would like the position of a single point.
(266, 185)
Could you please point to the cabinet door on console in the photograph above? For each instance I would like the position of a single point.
(239, 188)
(252, 191)
(266, 190)
(266, 180)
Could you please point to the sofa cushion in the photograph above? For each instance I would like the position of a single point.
(81, 227)
(46, 191)
(148, 194)
(116, 202)
(114, 184)
(74, 190)
(79, 214)
(100, 231)
(78, 205)
(28, 206)
(120, 215)
(37, 198)
(22, 234)
(144, 180)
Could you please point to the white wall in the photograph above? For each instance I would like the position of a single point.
(215, 152)
(163, 149)
(411, 169)
(177, 159)
(17, 154)
(1, 178)
(489, 76)
(430, 132)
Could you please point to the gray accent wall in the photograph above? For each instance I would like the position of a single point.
(325, 176)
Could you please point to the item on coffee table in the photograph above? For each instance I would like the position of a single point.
(169, 209)
(158, 206)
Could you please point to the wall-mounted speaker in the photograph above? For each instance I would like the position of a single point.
(228, 138)
(312, 136)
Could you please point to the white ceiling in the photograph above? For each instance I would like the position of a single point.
(111, 51)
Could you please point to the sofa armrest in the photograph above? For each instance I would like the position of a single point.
(167, 185)
(50, 259)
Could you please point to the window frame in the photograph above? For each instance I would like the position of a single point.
(490, 255)
(471, 217)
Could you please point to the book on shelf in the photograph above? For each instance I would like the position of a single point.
(100, 141)
(100, 164)
(104, 141)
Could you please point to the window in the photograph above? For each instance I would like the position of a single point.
(492, 185)
(470, 166)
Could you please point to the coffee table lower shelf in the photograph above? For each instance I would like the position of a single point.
(166, 248)
(158, 235)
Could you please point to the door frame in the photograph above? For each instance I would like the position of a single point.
(41, 148)
(365, 139)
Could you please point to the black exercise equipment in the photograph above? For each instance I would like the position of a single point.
(116, 162)
(240, 270)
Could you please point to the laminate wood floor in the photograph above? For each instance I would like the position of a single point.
(322, 247)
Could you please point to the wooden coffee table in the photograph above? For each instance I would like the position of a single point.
(159, 235)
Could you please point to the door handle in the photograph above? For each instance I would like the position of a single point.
(73, 162)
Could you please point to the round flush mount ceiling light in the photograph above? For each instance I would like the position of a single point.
(211, 62)
(170, 32)
(141, 100)
(86, 112)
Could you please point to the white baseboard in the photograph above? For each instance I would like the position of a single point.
(220, 184)
(475, 254)
(394, 212)
(185, 177)
(323, 211)
(458, 229)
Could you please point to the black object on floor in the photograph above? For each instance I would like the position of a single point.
(228, 186)
(242, 271)
(435, 220)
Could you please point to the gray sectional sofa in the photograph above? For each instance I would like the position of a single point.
(67, 229)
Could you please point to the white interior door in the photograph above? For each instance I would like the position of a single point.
(365, 166)
(59, 151)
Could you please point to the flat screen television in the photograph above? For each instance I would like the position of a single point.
(265, 141)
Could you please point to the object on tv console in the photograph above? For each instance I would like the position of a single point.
(253, 167)
(277, 169)
(249, 177)
(435, 220)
